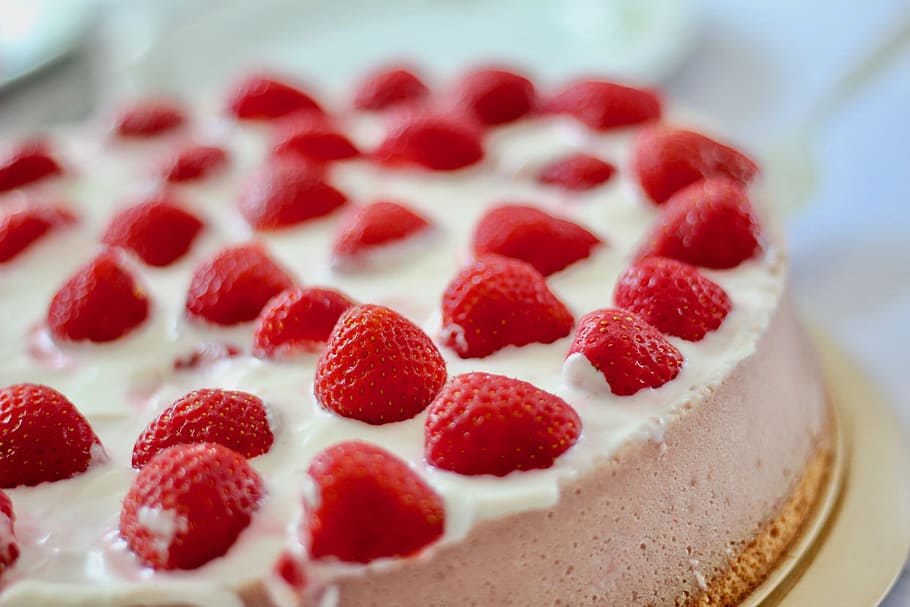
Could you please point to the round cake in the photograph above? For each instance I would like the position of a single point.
(480, 343)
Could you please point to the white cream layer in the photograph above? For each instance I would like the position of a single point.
(71, 553)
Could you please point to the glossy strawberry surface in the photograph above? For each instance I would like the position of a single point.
(378, 367)
(235, 284)
(101, 302)
(629, 353)
(233, 419)
(44, 438)
(482, 423)
(496, 302)
(188, 505)
(370, 505)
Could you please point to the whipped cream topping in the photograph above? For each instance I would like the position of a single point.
(7, 538)
(162, 525)
(71, 550)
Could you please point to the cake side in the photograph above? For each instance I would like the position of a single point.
(748, 570)
(658, 522)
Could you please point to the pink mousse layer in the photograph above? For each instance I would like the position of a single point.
(657, 520)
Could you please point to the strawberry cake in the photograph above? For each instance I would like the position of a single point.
(478, 343)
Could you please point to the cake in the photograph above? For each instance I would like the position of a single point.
(465, 345)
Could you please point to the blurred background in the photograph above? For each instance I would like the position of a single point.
(818, 89)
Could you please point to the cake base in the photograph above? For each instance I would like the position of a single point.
(865, 541)
(821, 479)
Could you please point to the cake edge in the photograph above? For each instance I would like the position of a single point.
(766, 551)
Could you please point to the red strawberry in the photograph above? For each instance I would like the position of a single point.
(385, 88)
(28, 162)
(283, 194)
(205, 354)
(369, 505)
(710, 223)
(496, 96)
(673, 296)
(235, 420)
(194, 162)
(263, 98)
(233, 286)
(312, 138)
(44, 437)
(490, 424)
(9, 548)
(626, 350)
(188, 505)
(378, 367)
(524, 232)
(158, 231)
(606, 105)
(497, 302)
(101, 302)
(20, 229)
(298, 320)
(149, 118)
(374, 225)
(438, 143)
(576, 172)
(290, 569)
(667, 160)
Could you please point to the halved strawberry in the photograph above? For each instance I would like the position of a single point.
(233, 286)
(525, 232)
(497, 302)
(667, 159)
(496, 96)
(298, 320)
(188, 505)
(482, 423)
(204, 355)
(236, 420)
(389, 87)
(710, 224)
(378, 367)
(149, 118)
(284, 193)
(44, 437)
(260, 97)
(157, 230)
(629, 353)
(436, 142)
(605, 105)
(673, 296)
(20, 229)
(374, 225)
(9, 547)
(101, 302)
(312, 137)
(194, 162)
(27, 162)
(576, 172)
(369, 505)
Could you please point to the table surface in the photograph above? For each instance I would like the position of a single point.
(759, 68)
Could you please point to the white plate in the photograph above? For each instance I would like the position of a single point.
(35, 33)
(330, 41)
